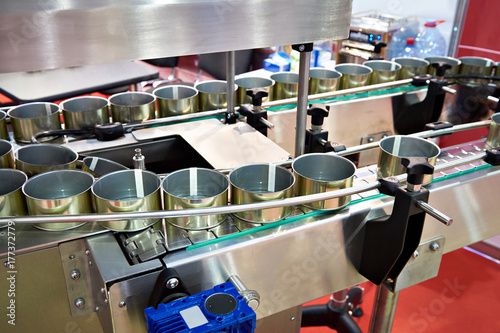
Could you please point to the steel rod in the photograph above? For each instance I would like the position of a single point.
(384, 309)
(302, 99)
(446, 220)
(230, 73)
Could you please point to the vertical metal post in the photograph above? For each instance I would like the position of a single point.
(339, 299)
(230, 73)
(458, 25)
(302, 97)
(384, 310)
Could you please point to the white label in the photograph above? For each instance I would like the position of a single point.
(397, 145)
(193, 182)
(271, 178)
(193, 317)
(93, 164)
(139, 185)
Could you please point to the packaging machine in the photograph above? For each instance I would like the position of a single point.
(91, 279)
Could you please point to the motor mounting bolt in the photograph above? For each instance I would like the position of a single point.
(415, 254)
(122, 304)
(434, 246)
(80, 303)
(172, 283)
(75, 274)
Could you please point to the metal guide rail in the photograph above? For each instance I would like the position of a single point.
(451, 161)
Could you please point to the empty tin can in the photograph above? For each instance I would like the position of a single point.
(85, 112)
(6, 154)
(475, 66)
(411, 67)
(41, 158)
(286, 85)
(132, 107)
(4, 133)
(323, 80)
(319, 173)
(98, 166)
(60, 192)
(128, 191)
(176, 100)
(261, 182)
(212, 95)
(493, 139)
(394, 148)
(353, 75)
(454, 63)
(383, 70)
(250, 82)
(12, 201)
(31, 118)
(195, 188)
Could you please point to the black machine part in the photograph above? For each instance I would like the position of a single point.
(256, 114)
(317, 139)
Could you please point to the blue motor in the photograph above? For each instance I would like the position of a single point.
(221, 309)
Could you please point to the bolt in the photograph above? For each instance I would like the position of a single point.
(75, 274)
(90, 263)
(415, 254)
(106, 301)
(370, 139)
(87, 252)
(434, 246)
(103, 291)
(384, 136)
(292, 319)
(172, 283)
(302, 48)
(96, 308)
(79, 303)
(6, 264)
(72, 256)
(389, 280)
(121, 304)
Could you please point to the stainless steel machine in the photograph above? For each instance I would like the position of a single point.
(90, 279)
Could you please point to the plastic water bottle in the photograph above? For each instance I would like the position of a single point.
(397, 43)
(409, 50)
(429, 41)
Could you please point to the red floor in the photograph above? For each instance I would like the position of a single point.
(463, 298)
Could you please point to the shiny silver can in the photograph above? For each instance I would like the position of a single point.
(176, 100)
(41, 158)
(98, 166)
(85, 112)
(454, 63)
(212, 95)
(475, 66)
(250, 82)
(60, 192)
(383, 70)
(195, 188)
(132, 107)
(323, 80)
(493, 139)
(12, 201)
(286, 85)
(319, 173)
(353, 75)
(411, 67)
(261, 182)
(128, 191)
(31, 118)
(394, 148)
(4, 133)
(6, 154)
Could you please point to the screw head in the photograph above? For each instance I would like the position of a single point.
(302, 47)
(87, 252)
(79, 303)
(71, 256)
(415, 254)
(6, 264)
(172, 283)
(75, 274)
(389, 280)
(96, 308)
(103, 291)
(434, 246)
(122, 304)
(90, 263)
(371, 139)
(292, 319)
(106, 301)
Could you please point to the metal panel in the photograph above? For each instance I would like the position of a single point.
(48, 34)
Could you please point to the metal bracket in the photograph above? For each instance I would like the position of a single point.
(77, 277)
(143, 246)
(423, 265)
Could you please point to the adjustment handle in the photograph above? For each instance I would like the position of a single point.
(257, 94)
(318, 112)
(440, 67)
(416, 168)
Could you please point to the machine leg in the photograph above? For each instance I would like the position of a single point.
(383, 310)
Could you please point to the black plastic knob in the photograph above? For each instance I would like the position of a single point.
(318, 112)
(378, 47)
(441, 67)
(416, 168)
(257, 94)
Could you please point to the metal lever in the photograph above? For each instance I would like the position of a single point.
(252, 297)
(446, 220)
